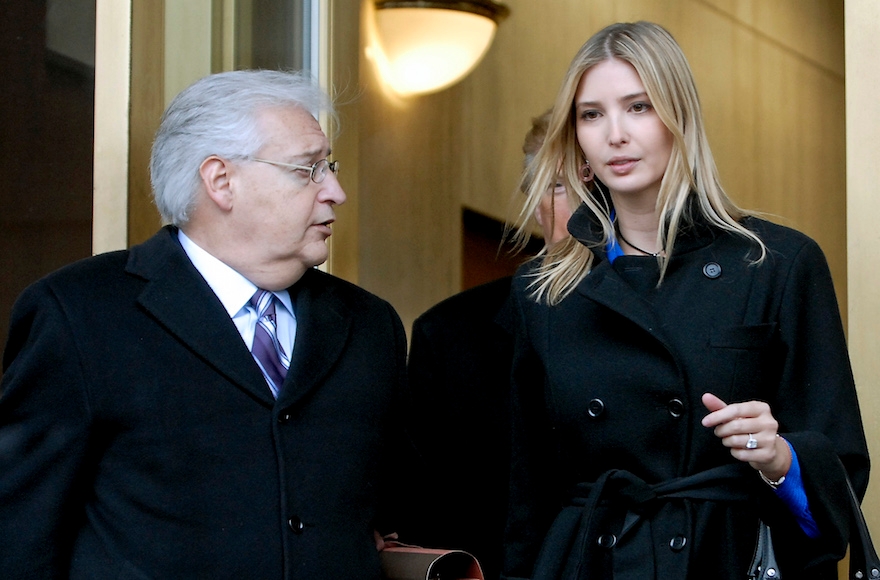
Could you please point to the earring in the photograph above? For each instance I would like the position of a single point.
(586, 172)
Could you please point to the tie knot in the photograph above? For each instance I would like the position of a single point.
(263, 302)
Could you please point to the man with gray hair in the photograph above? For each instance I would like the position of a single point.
(207, 404)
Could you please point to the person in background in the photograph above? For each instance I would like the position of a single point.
(459, 379)
(681, 371)
(207, 404)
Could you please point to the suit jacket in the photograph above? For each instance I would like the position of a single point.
(138, 438)
(459, 379)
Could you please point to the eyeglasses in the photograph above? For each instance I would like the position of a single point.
(317, 171)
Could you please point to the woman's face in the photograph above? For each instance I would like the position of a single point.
(619, 131)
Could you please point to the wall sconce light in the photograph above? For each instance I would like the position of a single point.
(427, 46)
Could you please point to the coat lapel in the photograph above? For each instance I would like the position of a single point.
(323, 325)
(178, 297)
(605, 286)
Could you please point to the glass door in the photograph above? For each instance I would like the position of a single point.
(46, 153)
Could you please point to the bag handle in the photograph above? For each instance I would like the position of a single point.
(863, 561)
(763, 566)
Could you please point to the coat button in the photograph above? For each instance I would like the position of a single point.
(675, 408)
(678, 543)
(607, 541)
(595, 408)
(296, 525)
(284, 417)
(712, 270)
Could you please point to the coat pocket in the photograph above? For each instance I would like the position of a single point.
(758, 336)
(749, 352)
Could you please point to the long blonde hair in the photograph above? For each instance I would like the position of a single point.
(666, 75)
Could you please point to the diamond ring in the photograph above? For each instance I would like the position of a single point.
(752, 443)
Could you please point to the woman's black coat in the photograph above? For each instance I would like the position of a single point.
(608, 386)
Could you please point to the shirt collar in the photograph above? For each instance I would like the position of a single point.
(233, 289)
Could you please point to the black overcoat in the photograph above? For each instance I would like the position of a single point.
(607, 392)
(138, 438)
(459, 382)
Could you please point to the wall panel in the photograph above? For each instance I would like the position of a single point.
(771, 79)
(773, 101)
(863, 175)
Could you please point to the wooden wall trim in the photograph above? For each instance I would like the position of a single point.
(147, 104)
(863, 211)
(112, 73)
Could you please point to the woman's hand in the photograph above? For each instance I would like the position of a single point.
(738, 423)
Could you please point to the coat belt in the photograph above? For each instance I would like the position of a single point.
(568, 547)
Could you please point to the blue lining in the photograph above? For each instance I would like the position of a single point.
(612, 248)
(792, 493)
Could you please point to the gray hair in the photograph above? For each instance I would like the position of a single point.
(217, 115)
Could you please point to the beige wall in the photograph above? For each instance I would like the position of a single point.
(863, 207)
(771, 76)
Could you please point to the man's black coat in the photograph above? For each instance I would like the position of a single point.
(459, 380)
(138, 438)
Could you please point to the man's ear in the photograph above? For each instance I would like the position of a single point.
(215, 173)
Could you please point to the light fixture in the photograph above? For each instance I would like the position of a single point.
(427, 46)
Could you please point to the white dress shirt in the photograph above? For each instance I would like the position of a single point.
(235, 292)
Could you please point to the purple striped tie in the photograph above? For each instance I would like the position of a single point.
(266, 349)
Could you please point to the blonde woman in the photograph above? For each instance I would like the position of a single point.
(680, 369)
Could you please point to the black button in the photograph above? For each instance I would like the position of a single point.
(675, 408)
(296, 525)
(595, 408)
(678, 543)
(712, 270)
(607, 540)
(284, 417)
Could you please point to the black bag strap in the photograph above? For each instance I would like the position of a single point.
(763, 566)
(863, 561)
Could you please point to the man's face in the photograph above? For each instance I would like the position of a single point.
(554, 212)
(283, 217)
